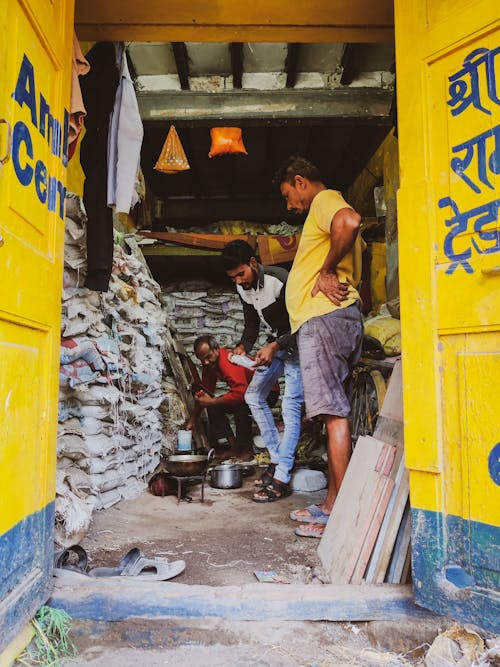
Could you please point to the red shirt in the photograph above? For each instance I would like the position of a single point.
(237, 377)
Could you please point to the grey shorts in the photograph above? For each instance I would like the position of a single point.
(329, 348)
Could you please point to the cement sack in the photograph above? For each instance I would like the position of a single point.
(72, 447)
(97, 411)
(133, 488)
(71, 426)
(81, 304)
(79, 324)
(74, 233)
(108, 480)
(107, 499)
(72, 514)
(387, 330)
(78, 481)
(306, 480)
(76, 373)
(93, 426)
(103, 463)
(97, 395)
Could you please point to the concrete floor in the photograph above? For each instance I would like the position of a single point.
(223, 540)
(250, 644)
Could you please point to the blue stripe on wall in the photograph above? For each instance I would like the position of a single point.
(456, 567)
(26, 552)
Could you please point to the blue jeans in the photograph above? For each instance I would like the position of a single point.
(282, 454)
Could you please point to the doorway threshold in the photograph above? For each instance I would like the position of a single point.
(118, 600)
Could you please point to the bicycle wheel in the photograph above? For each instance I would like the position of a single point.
(367, 398)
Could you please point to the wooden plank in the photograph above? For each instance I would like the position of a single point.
(373, 530)
(366, 520)
(375, 514)
(160, 250)
(348, 519)
(392, 407)
(399, 555)
(388, 531)
(389, 428)
(212, 241)
(406, 574)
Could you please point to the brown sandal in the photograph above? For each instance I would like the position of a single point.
(274, 491)
(266, 477)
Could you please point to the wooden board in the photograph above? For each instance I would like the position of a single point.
(389, 428)
(392, 407)
(389, 529)
(211, 241)
(400, 553)
(356, 504)
(374, 520)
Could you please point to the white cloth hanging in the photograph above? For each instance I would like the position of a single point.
(124, 141)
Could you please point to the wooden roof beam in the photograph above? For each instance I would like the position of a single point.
(236, 51)
(182, 63)
(291, 63)
(347, 63)
(258, 107)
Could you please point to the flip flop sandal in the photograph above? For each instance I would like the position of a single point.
(272, 492)
(316, 515)
(267, 476)
(64, 560)
(135, 564)
(310, 530)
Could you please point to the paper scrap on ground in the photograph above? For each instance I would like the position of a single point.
(270, 577)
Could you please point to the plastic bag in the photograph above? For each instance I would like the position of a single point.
(226, 140)
(172, 157)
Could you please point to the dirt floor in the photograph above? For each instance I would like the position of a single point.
(223, 540)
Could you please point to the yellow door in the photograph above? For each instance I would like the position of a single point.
(35, 75)
(448, 81)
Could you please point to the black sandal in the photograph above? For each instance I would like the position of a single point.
(266, 477)
(65, 559)
(272, 492)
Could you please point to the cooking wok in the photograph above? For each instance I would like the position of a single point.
(187, 465)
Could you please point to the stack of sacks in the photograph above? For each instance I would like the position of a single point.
(214, 311)
(111, 429)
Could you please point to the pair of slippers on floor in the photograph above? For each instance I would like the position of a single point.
(314, 521)
(72, 563)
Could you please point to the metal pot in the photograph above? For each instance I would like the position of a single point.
(186, 465)
(226, 476)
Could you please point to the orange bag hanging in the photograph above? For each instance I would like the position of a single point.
(172, 157)
(226, 140)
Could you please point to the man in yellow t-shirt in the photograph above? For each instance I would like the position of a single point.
(323, 305)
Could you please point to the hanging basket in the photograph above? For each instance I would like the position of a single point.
(226, 140)
(172, 158)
